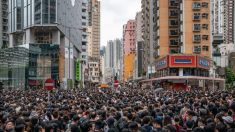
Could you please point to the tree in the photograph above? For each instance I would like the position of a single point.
(230, 76)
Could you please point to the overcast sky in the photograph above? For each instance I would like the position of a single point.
(115, 13)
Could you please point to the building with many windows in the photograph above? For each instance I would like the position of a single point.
(112, 58)
(182, 46)
(38, 26)
(94, 26)
(129, 50)
(4, 24)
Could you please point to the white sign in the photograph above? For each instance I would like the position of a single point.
(151, 69)
(67, 53)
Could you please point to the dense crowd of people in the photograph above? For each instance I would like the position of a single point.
(126, 110)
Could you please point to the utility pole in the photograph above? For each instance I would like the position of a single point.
(69, 53)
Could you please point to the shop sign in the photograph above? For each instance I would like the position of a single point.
(183, 61)
(203, 63)
(161, 64)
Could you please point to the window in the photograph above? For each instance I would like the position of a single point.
(196, 27)
(174, 42)
(174, 32)
(173, 13)
(174, 22)
(196, 5)
(204, 4)
(196, 38)
(174, 51)
(173, 3)
(197, 49)
(205, 26)
(205, 15)
(196, 16)
(205, 37)
(205, 48)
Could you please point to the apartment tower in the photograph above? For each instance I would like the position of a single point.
(129, 49)
(229, 21)
(182, 39)
(94, 24)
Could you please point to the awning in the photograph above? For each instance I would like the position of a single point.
(184, 78)
(34, 82)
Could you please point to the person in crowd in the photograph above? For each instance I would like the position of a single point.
(132, 109)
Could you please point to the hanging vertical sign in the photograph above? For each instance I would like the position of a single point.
(78, 70)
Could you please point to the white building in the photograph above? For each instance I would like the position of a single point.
(112, 58)
(94, 72)
(225, 50)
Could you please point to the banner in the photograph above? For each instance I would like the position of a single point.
(78, 70)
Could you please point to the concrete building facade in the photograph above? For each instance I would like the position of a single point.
(113, 59)
(139, 47)
(229, 21)
(129, 49)
(182, 41)
(4, 39)
(94, 23)
(49, 22)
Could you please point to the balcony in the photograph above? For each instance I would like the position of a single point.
(173, 3)
(197, 16)
(174, 23)
(196, 27)
(174, 42)
(196, 6)
(196, 38)
(173, 33)
(173, 13)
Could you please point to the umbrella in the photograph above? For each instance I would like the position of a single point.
(158, 90)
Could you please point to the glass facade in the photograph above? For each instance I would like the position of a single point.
(45, 9)
(29, 66)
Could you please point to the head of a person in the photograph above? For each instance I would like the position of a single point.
(210, 127)
(146, 120)
(9, 126)
(99, 125)
(189, 124)
(133, 126)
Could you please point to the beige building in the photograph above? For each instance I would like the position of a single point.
(94, 24)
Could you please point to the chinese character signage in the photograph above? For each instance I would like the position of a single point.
(78, 70)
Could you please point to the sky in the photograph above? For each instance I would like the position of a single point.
(114, 14)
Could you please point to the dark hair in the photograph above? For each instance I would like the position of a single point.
(146, 120)
(198, 129)
(210, 127)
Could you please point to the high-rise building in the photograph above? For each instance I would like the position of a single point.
(182, 41)
(139, 47)
(113, 58)
(84, 54)
(94, 24)
(145, 5)
(217, 16)
(4, 24)
(229, 21)
(51, 30)
(129, 49)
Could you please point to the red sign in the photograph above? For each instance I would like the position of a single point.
(183, 61)
(49, 84)
(116, 83)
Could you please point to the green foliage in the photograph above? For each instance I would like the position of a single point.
(230, 76)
